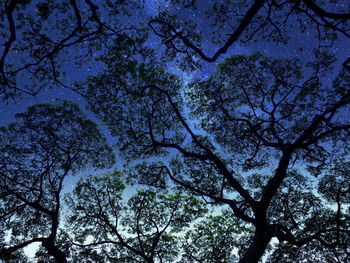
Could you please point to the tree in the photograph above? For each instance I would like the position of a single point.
(233, 138)
(108, 228)
(326, 221)
(55, 37)
(244, 22)
(255, 115)
(46, 145)
(214, 239)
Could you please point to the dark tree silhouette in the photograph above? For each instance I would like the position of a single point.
(232, 22)
(214, 239)
(109, 228)
(44, 40)
(254, 115)
(243, 138)
(38, 152)
(324, 234)
(52, 38)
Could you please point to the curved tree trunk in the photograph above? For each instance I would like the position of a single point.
(258, 246)
(264, 232)
(58, 255)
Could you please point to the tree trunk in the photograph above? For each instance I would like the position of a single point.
(58, 255)
(257, 247)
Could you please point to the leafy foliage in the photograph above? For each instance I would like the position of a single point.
(248, 137)
(47, 144)
(234, 138)
(214, 239)
(55, 38)
(145, 228)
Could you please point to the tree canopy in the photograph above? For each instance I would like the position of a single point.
(47, 144)
(143, 229)
(237, 137)
(200, 119)
(54, 37)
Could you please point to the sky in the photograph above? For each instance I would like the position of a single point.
(152, 8)
(8, 109)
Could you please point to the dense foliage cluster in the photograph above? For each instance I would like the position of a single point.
(231, 155)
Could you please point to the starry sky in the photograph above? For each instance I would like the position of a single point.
(150, 8)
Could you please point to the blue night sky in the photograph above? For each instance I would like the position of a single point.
(299, 46)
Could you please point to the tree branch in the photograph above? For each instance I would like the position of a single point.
(323, 13)
(252, 11)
